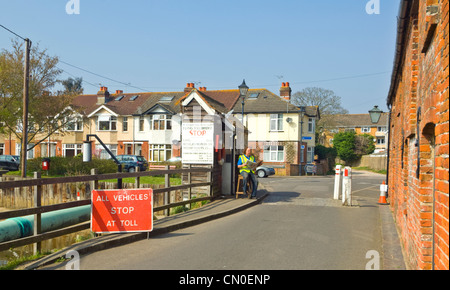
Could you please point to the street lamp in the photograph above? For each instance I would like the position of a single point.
(375, 115)
(243, 89)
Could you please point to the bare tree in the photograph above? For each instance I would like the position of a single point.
(329, 105)
(328, 102)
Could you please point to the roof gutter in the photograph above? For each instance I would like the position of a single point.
(402, 29)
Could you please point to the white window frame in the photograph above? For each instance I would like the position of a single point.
(125, 124)
(110, 120)
(381, 129)
(141, 123)
(276, 122)
(274, 153)
(102, 153)
(76, 125)
(310, 154)
(163, 121)
(311, 125)
(365, 129)
(78, 148)
(381, 140)
(164, 149)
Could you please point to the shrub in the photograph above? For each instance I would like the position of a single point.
(69, 166)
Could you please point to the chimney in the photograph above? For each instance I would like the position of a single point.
(285, 91)
(189, 87)
(119, 92)
(202, 89)
(103, 96)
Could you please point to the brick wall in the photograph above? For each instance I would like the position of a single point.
(419, 130)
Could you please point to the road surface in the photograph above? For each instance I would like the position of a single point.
(297, 227)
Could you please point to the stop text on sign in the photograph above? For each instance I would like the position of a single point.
(122, 210)
(198, 132)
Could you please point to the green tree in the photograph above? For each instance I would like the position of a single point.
(46, 113)
(351, 147)
(344, 143)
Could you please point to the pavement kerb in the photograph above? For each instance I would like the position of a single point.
(114, 240)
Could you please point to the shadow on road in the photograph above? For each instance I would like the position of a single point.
(275, 197)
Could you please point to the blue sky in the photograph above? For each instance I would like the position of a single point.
(160, 45)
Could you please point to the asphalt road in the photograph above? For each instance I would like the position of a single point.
(297, 227)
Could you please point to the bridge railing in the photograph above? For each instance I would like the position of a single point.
(37, 210)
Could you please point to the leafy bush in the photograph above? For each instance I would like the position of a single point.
(350, 147)
(69, 166)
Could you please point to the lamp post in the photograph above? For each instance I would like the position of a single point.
(302, 113)
(243, 89)
(375, 115)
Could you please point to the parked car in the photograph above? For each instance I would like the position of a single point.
(130, 162)
(264, 171)
(10, 162)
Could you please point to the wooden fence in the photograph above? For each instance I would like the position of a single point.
(37, 208)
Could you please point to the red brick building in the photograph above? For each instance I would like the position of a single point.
(418, 99)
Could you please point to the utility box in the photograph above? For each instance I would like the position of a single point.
(46, 164)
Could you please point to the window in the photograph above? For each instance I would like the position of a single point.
(107, 123)
(2, 148)
(75, 125)
(71, 150)
(133, 98)
(365, 129)
(276, 122)
(310, 155)
(380, 140)
(167, 99)
(45, 147)
(311, 125)
(381, 129)
(30, 153)
(141, 123)
(161, 122)
(125, 124)
(274, 153)
(160, 152)
(101, 153)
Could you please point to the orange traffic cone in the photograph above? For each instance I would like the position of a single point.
(383, 190)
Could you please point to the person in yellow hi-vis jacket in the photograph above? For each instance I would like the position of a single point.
(246, 172)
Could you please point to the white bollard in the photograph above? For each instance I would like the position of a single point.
(337, 181)
(347, 186)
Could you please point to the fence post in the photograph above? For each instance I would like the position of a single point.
(337, 182)
(209, 179)
(190, 188)
(167, 193)
(37, 217)
(137, 182)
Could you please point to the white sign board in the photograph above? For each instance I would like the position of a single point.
(198, 143)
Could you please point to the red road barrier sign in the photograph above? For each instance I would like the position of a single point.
(122, 210)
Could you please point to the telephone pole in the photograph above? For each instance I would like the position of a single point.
(23, 153)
